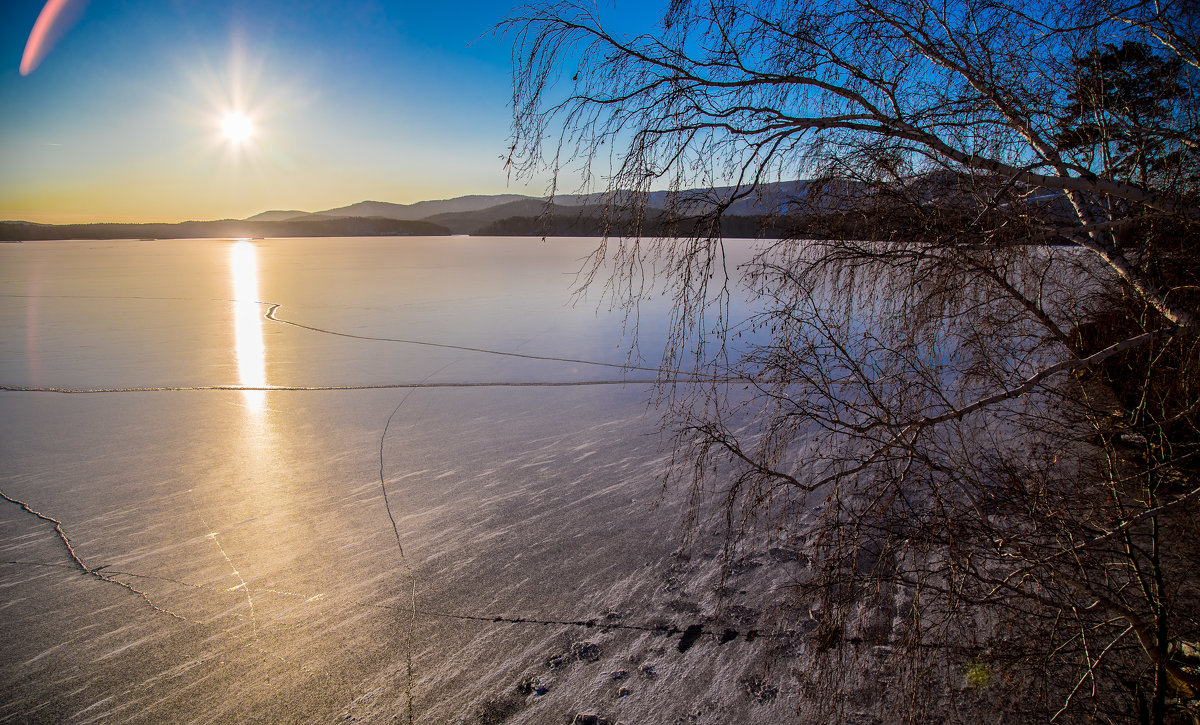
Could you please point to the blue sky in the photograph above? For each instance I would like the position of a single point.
(393, 101)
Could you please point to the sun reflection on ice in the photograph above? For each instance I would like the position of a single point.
(248, 334)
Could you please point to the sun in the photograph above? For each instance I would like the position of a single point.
(236, 127)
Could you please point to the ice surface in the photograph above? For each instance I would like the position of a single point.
(236, 558)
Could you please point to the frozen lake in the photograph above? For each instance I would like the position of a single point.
(237, 559)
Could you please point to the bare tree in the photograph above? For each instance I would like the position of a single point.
(970, 384)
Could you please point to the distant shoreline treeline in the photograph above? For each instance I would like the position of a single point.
(885, 227)
(568, 225)
(560, 226)
(344, 227)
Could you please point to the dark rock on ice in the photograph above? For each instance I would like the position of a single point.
(586, 652)
(690, 635)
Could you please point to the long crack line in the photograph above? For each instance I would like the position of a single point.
(410, 676)
(674, 376)
(93, 572)
(383, 437)
(274, 306)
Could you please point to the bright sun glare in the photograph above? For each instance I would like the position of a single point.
(236, 127)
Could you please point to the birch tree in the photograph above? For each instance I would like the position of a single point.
(969, 390)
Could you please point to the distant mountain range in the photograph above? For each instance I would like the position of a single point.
(496, 215)
(770, 199)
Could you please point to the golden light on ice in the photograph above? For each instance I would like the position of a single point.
(248, 334)
(236, 127)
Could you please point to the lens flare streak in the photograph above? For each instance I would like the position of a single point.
(46, 28)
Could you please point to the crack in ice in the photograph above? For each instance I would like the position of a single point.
(212, 534)
(410, 676)
(94, 572)
(274, 306)
(594, 623)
